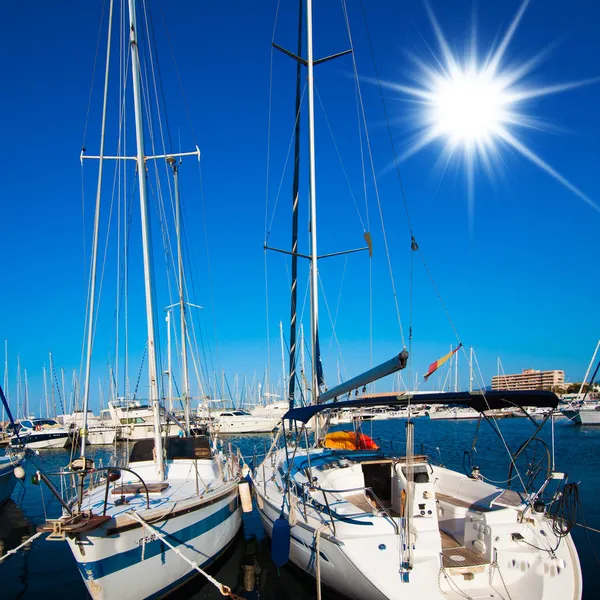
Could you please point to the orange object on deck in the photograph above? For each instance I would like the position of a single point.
(349, 440)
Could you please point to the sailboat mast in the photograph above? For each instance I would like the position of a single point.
(46, 393)
(169, 367)
(295, 186)
(5, 375)
(184, 362)
(314, 282)
(283, 372)
(92, 299)
(141, 168)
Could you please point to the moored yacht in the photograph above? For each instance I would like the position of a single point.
(389, 524)
(41, 434)
(452, 412)
(241, 421)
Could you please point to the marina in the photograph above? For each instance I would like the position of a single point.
(202, 405)
(46, 568)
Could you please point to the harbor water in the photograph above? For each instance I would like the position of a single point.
(47, 569)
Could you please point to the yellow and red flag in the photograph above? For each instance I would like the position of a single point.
(434, 366)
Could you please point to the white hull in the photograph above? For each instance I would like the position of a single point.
(235, 425)
(583, 416)
(44, 442)
(453, 414)
(361, 553)
(136, 565)
(101, 436)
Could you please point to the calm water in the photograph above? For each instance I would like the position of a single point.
(48, 570)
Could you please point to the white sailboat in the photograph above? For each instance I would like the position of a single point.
(143, 530)
(585, 411)
(377, 524)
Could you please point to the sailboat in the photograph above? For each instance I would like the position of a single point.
(375, 524)
(142, 530)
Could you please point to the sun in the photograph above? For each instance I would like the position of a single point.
(468, 107)
(477, 106)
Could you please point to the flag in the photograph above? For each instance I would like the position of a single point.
(434, 366)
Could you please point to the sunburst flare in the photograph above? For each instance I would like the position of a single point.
(477, 105)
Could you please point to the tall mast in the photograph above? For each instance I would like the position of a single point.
(295, 185)
(169, 367)
(46, 393)
(314, 282)
(588, 370)
(92, 298)
(456, 372)
(141, 168)
(26, 396)
(5, 375)
(184, 363)
(470, 368)
(283, 372)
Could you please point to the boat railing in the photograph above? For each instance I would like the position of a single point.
(92, 473)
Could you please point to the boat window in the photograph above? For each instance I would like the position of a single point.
(177, 448)
(46, 422)
(241, 413)
(226, 414)
(132, 421)
(27, 424)
(192, 447)
(142, 451)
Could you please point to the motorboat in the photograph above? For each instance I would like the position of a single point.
(41, 434)
(241, 421)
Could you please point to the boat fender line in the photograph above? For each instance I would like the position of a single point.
(35, 536)
(223, 589)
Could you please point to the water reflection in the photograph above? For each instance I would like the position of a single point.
(15, 529)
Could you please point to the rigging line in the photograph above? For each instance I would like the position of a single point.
(115, 188)
(269, 119)
(333, 327)
(87, 115)
(376, 187)
(181, 89)
(267, 318)
(155, 57)
(362, 224)
(339, 300)
(366, 197)
(153, 71)
(439, 295)
(287, 157)
(385, 112)
(208, 266)
(192, 268)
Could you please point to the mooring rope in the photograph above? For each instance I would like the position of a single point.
(34, 537)
(223, 589)
(318, 557)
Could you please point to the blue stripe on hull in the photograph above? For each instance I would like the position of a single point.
(111, 564)
(189, 576)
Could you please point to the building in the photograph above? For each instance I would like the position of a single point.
(530, 379)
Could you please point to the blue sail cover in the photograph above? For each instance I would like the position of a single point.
(479, 401)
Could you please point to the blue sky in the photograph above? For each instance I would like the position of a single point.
(521, 283)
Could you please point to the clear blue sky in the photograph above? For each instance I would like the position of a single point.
(522, 283)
